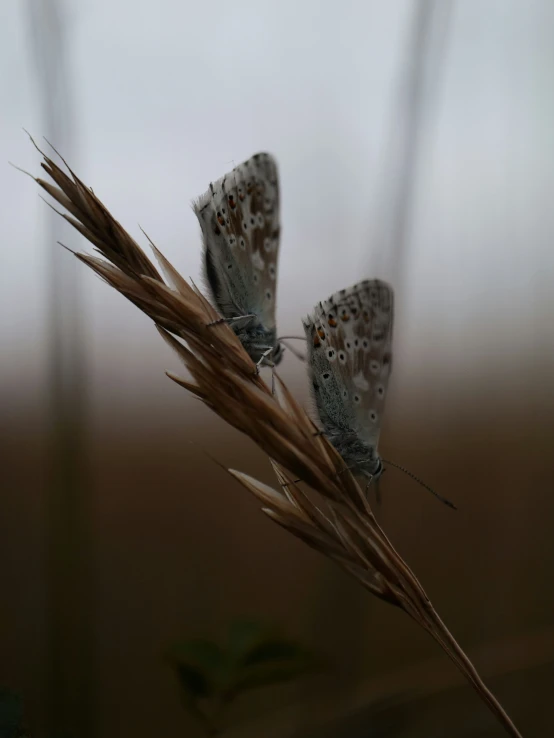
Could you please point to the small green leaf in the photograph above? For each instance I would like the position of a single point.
(273, 661)
(264, 675)
(201, 666)
(257, 656)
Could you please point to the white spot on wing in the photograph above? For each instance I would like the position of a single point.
(257, 260)
(361, 382)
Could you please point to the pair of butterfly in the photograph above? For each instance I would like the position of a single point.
(349, 336)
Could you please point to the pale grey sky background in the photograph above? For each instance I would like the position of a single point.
(168, 95)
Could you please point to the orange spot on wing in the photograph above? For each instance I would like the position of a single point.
(332, 322)
(321, 333)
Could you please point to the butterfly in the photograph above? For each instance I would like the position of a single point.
(239, 218)
(349, 363)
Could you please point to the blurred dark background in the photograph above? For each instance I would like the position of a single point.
(415, 143)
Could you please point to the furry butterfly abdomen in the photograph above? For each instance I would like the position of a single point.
(239, 217)
(349, 361)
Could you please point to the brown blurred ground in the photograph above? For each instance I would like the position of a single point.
(178, 549)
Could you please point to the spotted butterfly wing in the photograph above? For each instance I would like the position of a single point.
(349, 358)
(239, 217)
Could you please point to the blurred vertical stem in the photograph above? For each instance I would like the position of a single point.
(68, 572)
(417, 90)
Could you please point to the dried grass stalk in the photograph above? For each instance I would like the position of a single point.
(333, 516)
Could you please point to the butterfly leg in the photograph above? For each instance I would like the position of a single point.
(229, 321)
(378, 498)
(375, 480)
(263, 359)
(346, 468)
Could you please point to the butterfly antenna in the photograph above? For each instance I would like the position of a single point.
(425, 486)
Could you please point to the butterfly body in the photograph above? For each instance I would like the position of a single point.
(349, 358)
(361, 457)
(257, 339)
(239, 217)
